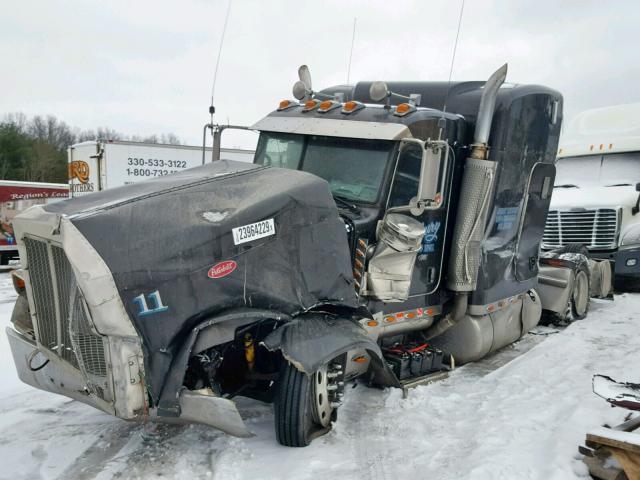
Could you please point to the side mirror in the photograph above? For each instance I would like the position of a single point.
(432, 176)
(637, 187)
(433, 172)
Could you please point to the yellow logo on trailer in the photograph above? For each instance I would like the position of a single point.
(80, 170)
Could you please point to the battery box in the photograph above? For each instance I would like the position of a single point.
(413, 359)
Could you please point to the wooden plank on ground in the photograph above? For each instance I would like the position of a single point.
(614, 438)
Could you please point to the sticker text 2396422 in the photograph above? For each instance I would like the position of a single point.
(253, 231)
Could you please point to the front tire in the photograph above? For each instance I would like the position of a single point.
(305, 405)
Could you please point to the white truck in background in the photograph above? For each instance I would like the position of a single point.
(99, 165)
(596, 196)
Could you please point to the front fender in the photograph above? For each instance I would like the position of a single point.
(311, 340)
(198, 339)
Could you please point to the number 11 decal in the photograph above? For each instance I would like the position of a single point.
(156, 303)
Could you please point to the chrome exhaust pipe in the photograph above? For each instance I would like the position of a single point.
(477, 186)
(479, 147)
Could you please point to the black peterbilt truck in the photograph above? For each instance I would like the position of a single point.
(384, 231)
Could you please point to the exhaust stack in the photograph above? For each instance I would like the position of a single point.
(479, 147)
(475, 194)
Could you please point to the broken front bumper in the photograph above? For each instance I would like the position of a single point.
(50, 373)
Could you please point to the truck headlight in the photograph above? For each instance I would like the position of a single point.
(631, 236)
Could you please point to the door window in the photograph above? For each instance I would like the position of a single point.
(407, 177)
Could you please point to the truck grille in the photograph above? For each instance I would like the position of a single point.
(596, 229)
(62, 323)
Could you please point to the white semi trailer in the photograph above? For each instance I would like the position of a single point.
(595, 201)
(99, 165)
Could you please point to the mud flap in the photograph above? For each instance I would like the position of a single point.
(312, 340)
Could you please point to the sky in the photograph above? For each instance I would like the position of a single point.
(145, 67)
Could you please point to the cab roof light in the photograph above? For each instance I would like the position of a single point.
(285, 104)
(310, 105)
(328, 105)
(404, 109)
(352, 106)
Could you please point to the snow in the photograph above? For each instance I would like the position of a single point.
(520, 413)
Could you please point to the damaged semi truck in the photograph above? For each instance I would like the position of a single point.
(370, 238)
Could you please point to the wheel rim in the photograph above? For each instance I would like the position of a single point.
(322, 404)
(581, 294)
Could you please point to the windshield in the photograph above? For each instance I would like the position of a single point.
(613, 169)
(353, 167)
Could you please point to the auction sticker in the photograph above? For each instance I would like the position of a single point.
(246, 233)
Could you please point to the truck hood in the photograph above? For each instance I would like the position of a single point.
(593, 197)
(176, 255)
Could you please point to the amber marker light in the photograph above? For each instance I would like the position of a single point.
(310, 105)
(403, 108)
(352, 106)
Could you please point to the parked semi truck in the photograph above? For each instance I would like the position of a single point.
(377, 235)
(99, 165)
(595, 199)
(16, 197)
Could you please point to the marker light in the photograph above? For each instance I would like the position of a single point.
(352, 106)
(310, 105)
(328, 105)
(18, 283)
(404, 109)
(284, 104)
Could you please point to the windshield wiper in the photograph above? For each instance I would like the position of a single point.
(346, 203)
(566, 185)
(619, 185)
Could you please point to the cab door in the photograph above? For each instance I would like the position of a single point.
(404, 190)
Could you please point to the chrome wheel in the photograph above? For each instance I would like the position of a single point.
(580, 295)
(327, 393)
(322, 408)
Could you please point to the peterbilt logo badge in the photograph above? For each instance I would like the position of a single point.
(80, 170)
(222, 269)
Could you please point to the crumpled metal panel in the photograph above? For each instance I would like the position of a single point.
(312, 340)
(390, 269)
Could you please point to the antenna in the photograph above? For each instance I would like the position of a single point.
(215, 72)
(353, 37)
(216, 131)
(453, 59)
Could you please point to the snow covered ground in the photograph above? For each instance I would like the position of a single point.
(519, 414)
